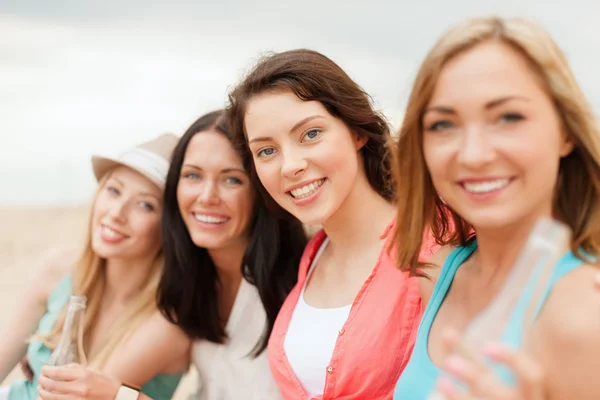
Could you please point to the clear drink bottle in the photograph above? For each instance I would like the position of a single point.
(533, 268)
(70, 347)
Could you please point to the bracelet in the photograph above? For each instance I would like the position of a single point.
(128, 392)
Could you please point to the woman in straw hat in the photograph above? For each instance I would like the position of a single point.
(118, 271)
(498, 127)
(229, 264)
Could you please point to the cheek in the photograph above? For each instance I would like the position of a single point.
(148, 228)
(99, 209)
(436, 161)
(269, 176)
(185, 196)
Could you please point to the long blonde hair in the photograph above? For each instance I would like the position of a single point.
(577, 200)
(88, 278)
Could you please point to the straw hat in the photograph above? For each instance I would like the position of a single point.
(150, 159)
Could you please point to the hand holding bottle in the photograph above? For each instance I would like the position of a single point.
(76, 382)
(471, 370)
(482, 381)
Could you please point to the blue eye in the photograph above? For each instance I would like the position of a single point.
(312, 134)
(113, 190)
(147, 206)
(190, 175)
(511, 117)
(265, 152)
(233, 181)
(440, 125)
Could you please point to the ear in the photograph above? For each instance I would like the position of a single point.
(360, 141)
(566, 146)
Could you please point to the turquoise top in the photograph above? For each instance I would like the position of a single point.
(161, 387)
(420, 375)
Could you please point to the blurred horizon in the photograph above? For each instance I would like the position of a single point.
(78, 78)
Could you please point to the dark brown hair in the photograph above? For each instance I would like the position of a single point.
(188, 289)
(313, 77)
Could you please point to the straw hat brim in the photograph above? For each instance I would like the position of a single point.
(102, 165)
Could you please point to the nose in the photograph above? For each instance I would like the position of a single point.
(118, 211)
(209, 194)
(293, 164)
(476, 148)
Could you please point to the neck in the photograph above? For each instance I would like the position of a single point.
(498, 249)
(228, 262)
(361, 219)
(125, 278)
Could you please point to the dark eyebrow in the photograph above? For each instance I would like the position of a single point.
(226, 170)
(190, 166)
(304, 121)
(489, 105)
(294, 128)
(223, 171)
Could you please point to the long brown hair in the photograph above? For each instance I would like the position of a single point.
(313, 77)
(88, 279)
(578, 185)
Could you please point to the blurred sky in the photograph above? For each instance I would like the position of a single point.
(84, 76)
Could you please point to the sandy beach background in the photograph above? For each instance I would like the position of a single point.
(26, 234)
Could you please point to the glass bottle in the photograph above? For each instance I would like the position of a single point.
(70, 347)
(533, 268)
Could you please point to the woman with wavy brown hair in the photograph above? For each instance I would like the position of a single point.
(318, 150)
(497, 135)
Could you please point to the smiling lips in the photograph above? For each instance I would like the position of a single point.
(111, 235)
(481, 187)
(210, 219)
(306, 190)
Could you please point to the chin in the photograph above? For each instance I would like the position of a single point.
(102, 252)
(209, 243)
(489, 221)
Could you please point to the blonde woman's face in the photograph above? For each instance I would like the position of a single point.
(492, 138)
(126, 217)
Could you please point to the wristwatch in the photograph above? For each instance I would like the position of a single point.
(128, 392)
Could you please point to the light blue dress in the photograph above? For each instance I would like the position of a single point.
(161, 387)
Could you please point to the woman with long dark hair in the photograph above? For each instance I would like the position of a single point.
(229, 263)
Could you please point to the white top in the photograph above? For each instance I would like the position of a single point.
(229, 371)
(311, 338)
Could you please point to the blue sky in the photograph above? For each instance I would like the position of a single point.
(78, 77)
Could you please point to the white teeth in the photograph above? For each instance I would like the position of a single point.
(306, 190)
(487, 186)
(209, 219)
(111, 233)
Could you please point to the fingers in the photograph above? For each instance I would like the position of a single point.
(528, 372)
(69, 372)
(46, 395)
(480, 381)
(55, 386)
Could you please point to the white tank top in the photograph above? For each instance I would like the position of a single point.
(228, 371)
(311, 338)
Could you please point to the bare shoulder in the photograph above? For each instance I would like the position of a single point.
(436, 261)
(156, 346)
(572, 310)
(567, 333)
